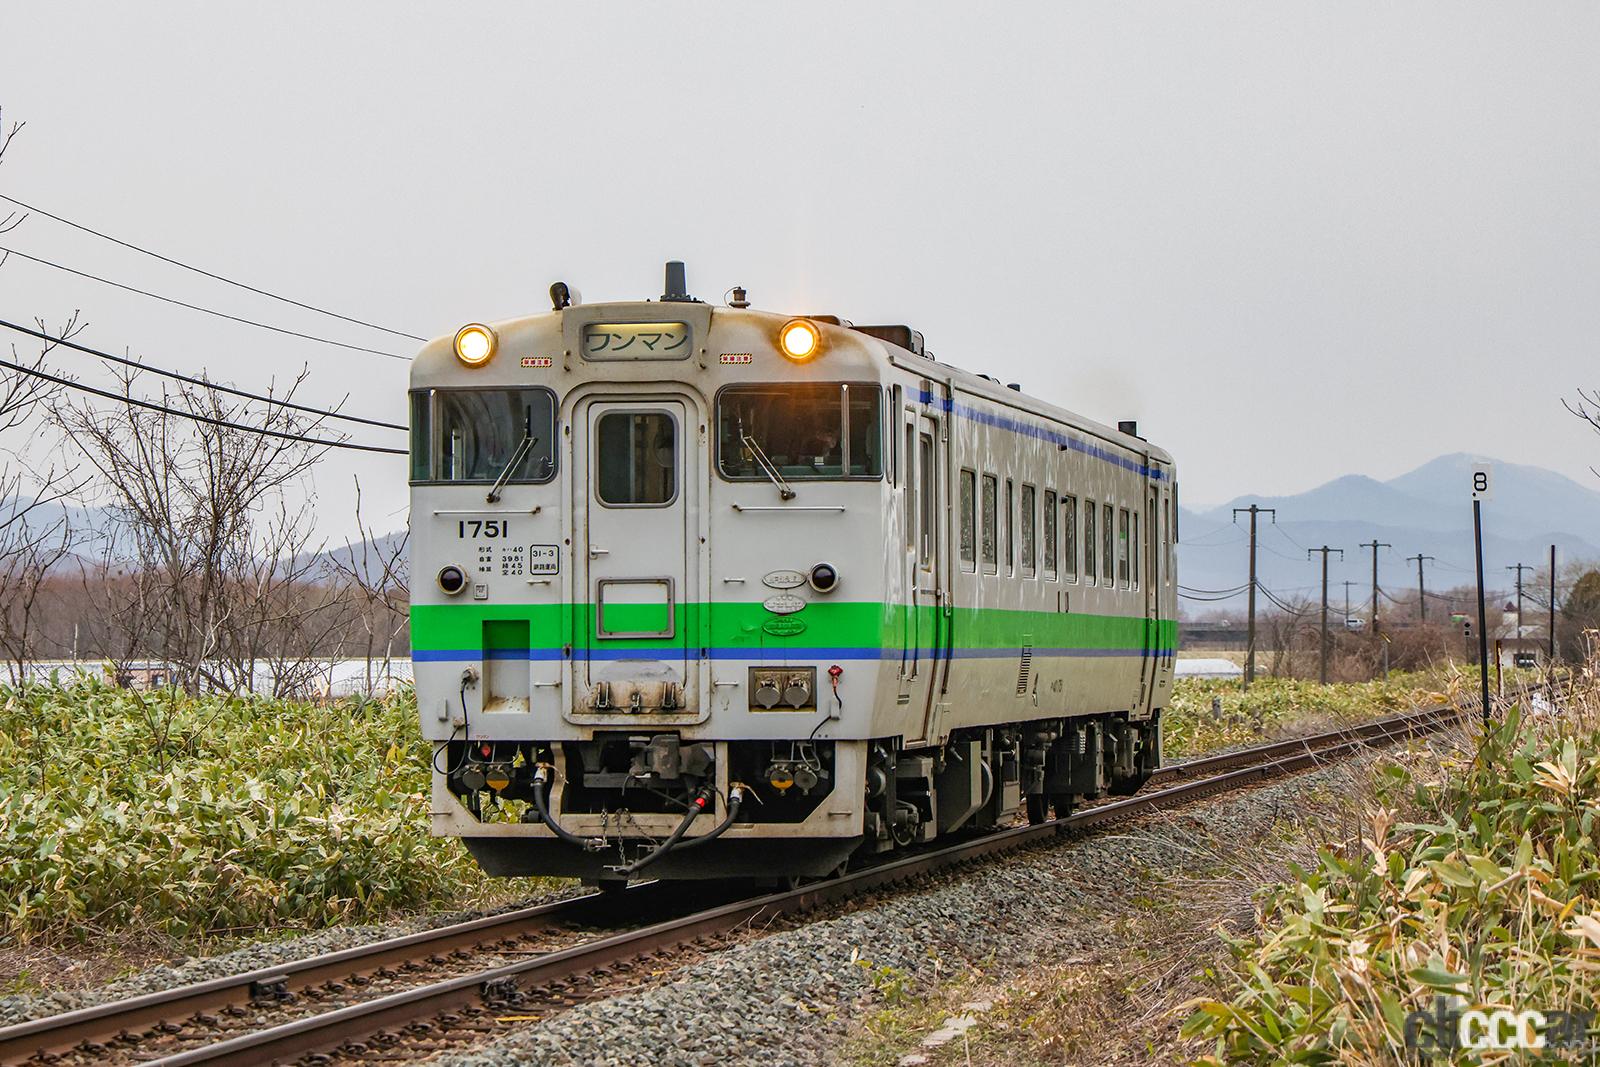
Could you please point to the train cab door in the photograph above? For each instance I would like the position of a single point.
(925, 627)
(635, 483)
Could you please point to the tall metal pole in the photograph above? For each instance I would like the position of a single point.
(1422, 593)
(1322, 662)
(1483, 615)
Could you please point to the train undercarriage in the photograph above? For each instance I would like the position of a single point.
(639, 803)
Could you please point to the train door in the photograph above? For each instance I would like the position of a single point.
(926, 623)
(635, 480)
(1149, 574)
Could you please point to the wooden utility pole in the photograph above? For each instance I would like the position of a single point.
(1519, 568)
(1552, 607)
(1375, 545)
(1377, 634)
(1422, 593)
(1250, 641)
(1322, 662)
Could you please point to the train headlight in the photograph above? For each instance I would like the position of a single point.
(475, 344)
(824, 577)
(452, 579)
(799, 339)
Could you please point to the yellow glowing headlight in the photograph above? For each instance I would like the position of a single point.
(475, 344)
(799, 339)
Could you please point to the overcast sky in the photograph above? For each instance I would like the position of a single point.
(1294, 241)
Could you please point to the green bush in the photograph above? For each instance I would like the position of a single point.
(193, 815)
(1489, 899)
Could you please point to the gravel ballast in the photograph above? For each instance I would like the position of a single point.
(788, 998)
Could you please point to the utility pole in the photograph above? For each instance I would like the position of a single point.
(1552, 660)
(1422, 593)
(1322, 662)
(1377, 634)
(1250, 642)
(1519, 568)
(1375, 545)
(1347, 584)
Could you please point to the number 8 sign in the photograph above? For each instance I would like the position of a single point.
(1482, 482)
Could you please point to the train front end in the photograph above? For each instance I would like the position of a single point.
(648, 577)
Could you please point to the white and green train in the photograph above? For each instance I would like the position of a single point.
(707, 591)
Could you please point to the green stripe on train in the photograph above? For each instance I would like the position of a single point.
(834, 624)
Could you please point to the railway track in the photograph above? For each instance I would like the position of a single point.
(386, 1001)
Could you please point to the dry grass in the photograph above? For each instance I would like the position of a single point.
(1125, 1003)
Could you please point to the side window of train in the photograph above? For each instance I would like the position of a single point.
(1124, 548)
(1030, 553)
(1050, 538)
(1011, 529)
(1133, 549)
(1166, 535)
(1069, 550)
(1089, 570)
(897, 459)
(911, 486)
(969, 520)
(988, 537)
(1108, 545)
(925, 496)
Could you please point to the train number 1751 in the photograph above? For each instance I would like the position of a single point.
(476, 528)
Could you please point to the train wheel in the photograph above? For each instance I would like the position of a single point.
(1041, 805)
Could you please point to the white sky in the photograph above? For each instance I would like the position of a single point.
(1294, 241)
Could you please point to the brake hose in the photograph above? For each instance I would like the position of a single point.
(541, 775)
(697, 806)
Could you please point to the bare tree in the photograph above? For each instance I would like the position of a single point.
(190, 483)
(35, 536)
(376, 570)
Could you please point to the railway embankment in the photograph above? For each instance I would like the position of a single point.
(864, 980)
(1318, 929)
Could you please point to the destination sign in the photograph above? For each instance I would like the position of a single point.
(636, 340)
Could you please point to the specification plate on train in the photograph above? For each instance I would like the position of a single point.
(544, 559)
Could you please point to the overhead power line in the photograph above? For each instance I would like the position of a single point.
(206, 273)
(193, 417)
(125, 361)
(202, 310)
(1209, 599)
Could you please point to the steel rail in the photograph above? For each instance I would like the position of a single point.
(104, 1023)
(325, 1033)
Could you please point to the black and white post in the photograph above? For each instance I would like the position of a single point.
(1482, 489)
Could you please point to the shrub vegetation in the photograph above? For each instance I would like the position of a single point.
(1487, 894)
(188, 816)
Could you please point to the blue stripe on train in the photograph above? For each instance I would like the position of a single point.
(774, 652)
(1043, 433)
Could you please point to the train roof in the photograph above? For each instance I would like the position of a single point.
(897, 345)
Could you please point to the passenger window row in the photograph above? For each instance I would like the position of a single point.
(1041, 534)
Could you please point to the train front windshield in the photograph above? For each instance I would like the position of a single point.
(473, 435)
(806, 430)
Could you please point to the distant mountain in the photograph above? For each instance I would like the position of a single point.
(1427, 511)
